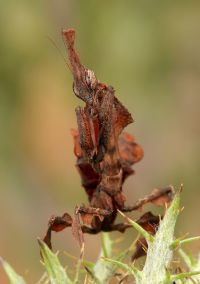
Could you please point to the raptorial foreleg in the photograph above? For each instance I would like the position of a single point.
(57, 224)
(158, 197)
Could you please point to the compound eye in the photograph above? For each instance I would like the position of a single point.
(91, 79)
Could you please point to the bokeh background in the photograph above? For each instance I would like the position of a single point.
(150, 52)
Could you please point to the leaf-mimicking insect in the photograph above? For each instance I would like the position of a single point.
(105, 156)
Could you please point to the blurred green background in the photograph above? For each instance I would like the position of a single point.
(150, 52)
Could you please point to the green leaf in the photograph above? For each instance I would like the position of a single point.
(135, 225)
(178, 242)
(159, 253)
(184, 275)
(103, 270)
(107, 245)
(12, 275)
(56, 272)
